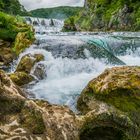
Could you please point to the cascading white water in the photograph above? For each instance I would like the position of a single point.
(67, 71)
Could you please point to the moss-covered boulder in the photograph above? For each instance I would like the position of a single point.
(21, 78)
(22, 118)
(28, 61)
(118, 87)
(22, 75)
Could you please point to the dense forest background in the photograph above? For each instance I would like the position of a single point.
(12, 7)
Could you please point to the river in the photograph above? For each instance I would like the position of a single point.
(73, 59)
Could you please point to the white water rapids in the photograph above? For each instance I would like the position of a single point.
(67, 70)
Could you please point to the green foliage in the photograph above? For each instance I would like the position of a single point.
(57, 12)
(12, 7)
(106, 15)
(14, 29)
(10, 26)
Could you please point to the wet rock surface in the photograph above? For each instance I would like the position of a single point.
(22, 75)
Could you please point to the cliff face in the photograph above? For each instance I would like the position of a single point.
(104, 15)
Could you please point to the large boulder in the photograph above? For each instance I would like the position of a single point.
(118, 87)
(22, 118)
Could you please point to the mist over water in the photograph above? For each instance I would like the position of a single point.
(71, 59)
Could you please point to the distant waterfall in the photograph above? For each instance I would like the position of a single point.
(43, 26)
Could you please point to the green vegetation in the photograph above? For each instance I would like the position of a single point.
(104, 15)
(14, 29)
(57, 12)
(32, 119)
(12, 7)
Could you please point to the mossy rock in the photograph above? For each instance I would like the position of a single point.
(32, 120)
(119, 86)
(21, 78)
(28, 61)
(108, 125)
(16, 31)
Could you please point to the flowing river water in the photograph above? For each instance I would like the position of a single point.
(73, 59)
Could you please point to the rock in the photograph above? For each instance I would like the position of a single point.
(35, 119)
(16, 32)
(43, 23)
(15, 36)
(117, 87)
(22, 74)
(21, 78)
(35, 23)
(107, 123)
(7, 55)
(39, 71)
(28, 61)
(52, 22)
(23, 118)
(22, 41)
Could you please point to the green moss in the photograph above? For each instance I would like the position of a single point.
(21, 78)
(32, 120)
(108, 126)
(14, 29)
(10, 106)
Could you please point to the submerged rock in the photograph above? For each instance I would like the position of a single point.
(40, 71)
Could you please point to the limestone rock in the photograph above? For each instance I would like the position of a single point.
(28, 61)
(21, 78)
(6, 53)
(39, 71)
(116, 88)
